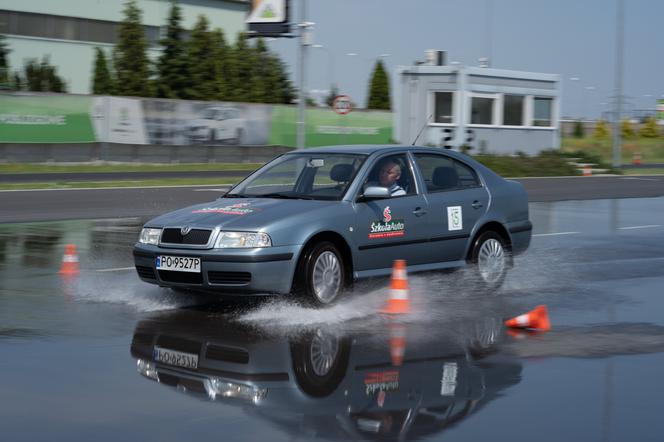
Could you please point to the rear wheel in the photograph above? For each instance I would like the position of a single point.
(490, 258)
(321, 274)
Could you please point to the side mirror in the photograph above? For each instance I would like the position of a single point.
(376, 192)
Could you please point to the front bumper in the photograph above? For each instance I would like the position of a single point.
(264, 270)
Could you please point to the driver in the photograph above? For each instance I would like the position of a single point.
(389, 174)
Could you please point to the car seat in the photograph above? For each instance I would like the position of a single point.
(445, 178)
(341, 173)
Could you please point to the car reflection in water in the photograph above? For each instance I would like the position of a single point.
(360, 385)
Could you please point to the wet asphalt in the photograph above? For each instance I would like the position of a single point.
(449, 370)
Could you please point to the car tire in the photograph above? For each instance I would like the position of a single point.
(490, 259)
(321, 275)
(320, 361)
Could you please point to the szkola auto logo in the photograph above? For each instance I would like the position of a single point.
(234, 209)
(387, 227)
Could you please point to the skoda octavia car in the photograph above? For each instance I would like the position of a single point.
(312, 221)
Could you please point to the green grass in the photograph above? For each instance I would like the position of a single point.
(651, 149)
(643, 171)
(123, 167)
(547, 163)
(128, 183)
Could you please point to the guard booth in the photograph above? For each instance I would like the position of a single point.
(489, 110)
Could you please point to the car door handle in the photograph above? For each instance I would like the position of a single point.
(420, 211)
(476, 204)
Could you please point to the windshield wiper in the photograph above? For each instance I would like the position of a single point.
(284, 196)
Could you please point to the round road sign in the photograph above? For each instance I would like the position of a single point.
(342, 104)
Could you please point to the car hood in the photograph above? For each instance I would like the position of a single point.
(237, 213)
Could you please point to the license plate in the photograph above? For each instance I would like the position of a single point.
(179, 263)
(176, 358)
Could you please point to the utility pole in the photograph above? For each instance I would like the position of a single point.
(617, 147)
(302, 53)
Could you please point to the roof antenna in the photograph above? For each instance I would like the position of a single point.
(420, 133)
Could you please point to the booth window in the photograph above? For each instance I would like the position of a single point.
(481, 110)
(542, 114)
(513, 110)
(443, 107)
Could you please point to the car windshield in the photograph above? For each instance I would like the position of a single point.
(302, 176)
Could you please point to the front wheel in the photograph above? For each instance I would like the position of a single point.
(321, 274)
(490, 258)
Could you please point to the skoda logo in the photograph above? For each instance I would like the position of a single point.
(185, 230)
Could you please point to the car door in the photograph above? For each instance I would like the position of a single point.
(391, 228)
(457, 199)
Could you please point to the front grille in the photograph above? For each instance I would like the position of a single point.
(229, 278)
(180, 277)
(146, 272)
(196, 237)
(227, 354)
(178, 344)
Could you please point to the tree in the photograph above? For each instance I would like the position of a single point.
(102, 83)
(172, 67)
(334, 91)
(220, 57)
(601, 130)
(626, 129)
(286, 88)
(379, 89)
(578, 129)
(649, 129)
(131, 62)
(39, 77)
(242, 69)
(4, 63)
(202, 65)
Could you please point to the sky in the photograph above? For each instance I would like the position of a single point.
(575, 39)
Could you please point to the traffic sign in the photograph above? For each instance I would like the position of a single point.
(342, 104)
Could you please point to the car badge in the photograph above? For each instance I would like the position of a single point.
(185, 230)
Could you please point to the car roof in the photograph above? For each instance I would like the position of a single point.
(368, 149)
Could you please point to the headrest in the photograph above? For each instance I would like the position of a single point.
(341, 172)
(445, 177)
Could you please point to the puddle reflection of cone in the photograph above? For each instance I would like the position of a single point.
(398, 302)
(397, 343)
(536, 319)
(69, 265)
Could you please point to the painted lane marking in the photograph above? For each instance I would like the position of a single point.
(211, 190)
(649, 226)
(119, 269)
(640, 179)
(557, 233)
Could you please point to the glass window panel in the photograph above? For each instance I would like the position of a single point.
(513, 110)
(443, 107)
(481, 110)
(542, 114)
(467, 177)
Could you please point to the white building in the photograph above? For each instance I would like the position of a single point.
(492, 110)
(68, 30)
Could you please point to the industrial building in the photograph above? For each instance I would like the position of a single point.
(487, 109)
(67, 31)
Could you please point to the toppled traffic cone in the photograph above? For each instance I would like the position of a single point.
(69, 261)
(587, 170)
(536, 319)
(398, 302)
(397, 343)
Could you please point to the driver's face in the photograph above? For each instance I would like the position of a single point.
(389, 174)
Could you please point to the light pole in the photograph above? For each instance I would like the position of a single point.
(617, 142)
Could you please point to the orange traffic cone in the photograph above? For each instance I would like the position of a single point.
(397, 343)
(636, 159)
(537, 319)
(398, 302)
(69, 261)
(587, 171)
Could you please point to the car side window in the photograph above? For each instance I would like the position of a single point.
(394, 173)
(442, 173)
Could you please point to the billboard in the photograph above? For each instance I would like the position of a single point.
(660, 111)
(35, 118)
(269, 18)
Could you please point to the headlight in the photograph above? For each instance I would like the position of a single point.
(234, 240)
(229, 389)
(149, 236)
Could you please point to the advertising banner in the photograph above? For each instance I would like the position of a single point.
(660, 111)
(118, 120)
(27, 118)
(325, 127)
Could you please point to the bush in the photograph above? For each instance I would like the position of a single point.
(602, 130)
(626, 129)
(649, 129)
(579, 131)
